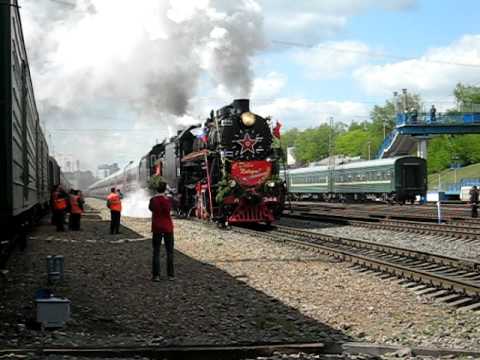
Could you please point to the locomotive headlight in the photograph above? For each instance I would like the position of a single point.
(271, 184)
(248, 119)
(232, 183)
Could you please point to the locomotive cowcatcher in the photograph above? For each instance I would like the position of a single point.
(227, 169)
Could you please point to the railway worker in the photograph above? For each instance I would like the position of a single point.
(114, 203)
(474, 201)
(60, 206)
(433, 114)
(413, 115)
(162, 228)
(119, 192)
(76, 210)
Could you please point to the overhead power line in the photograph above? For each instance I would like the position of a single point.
(64, 3)
(371, 53)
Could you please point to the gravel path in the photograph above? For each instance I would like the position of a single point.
(230, 288)
(428, 243)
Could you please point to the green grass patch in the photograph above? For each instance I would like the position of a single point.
(448, 176)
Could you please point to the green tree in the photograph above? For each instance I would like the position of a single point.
(312, 144)
(465, 149)
(353, 143)
(468, 97)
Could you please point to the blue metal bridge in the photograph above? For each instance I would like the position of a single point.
(410, 132)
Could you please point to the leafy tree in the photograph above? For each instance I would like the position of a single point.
(468, 97)
(312, 145)
(353, 143)
(289, 137)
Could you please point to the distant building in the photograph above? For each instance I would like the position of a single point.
(67, 162)
(291, 161)
(80, 180)
(106, 170)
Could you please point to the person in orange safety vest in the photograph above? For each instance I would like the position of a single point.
(59, 207)
(76, 210)
(114, 203)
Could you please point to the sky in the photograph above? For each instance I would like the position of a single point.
(112, 79)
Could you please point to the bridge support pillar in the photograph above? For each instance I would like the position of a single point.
(422, 148)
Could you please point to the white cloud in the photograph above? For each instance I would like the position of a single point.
(433, 74)
(268, 86)
(331, 59)
(313, 21)
(303, 113)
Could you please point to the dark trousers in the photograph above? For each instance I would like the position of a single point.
(59, 219)
(114, 222)
(74, 221)
(474, 210)
(157, 242)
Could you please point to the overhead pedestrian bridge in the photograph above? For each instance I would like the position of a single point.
(410, 132)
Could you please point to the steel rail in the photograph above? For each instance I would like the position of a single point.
(429, 269)
(454, 231)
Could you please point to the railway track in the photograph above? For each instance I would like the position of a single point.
(465, 231)
(406, 212)
(451, 280)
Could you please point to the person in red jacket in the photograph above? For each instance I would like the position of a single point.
(76, 210)
(59, 201)
(162, 228)
(114, 203)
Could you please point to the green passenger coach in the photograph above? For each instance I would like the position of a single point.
(394, 179)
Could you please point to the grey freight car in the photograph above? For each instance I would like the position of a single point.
(23, 147)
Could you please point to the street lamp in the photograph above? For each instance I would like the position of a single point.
(455, 165)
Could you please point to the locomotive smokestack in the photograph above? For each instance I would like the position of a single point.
(241, 105)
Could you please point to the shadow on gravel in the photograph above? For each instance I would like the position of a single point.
(114, 302)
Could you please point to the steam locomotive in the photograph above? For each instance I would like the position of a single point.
(226, 169)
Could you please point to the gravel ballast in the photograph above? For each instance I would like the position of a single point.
(441, 245)
(229, 288)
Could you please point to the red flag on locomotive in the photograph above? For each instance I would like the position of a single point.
(276, 129)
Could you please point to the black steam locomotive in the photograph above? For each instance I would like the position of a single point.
(226, 169)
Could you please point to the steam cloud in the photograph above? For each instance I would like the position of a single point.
(149, 55)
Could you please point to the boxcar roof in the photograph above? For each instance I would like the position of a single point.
(353, 165)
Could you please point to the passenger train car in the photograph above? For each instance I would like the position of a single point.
(393, 179)
(28, 172)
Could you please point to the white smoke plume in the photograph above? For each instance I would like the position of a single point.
(136, 204)
(148, 55)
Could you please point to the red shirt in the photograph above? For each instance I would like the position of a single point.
(160, 207)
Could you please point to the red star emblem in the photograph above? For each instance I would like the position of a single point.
(247, 144)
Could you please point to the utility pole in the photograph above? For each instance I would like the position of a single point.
(368, 144)
(331, 154)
